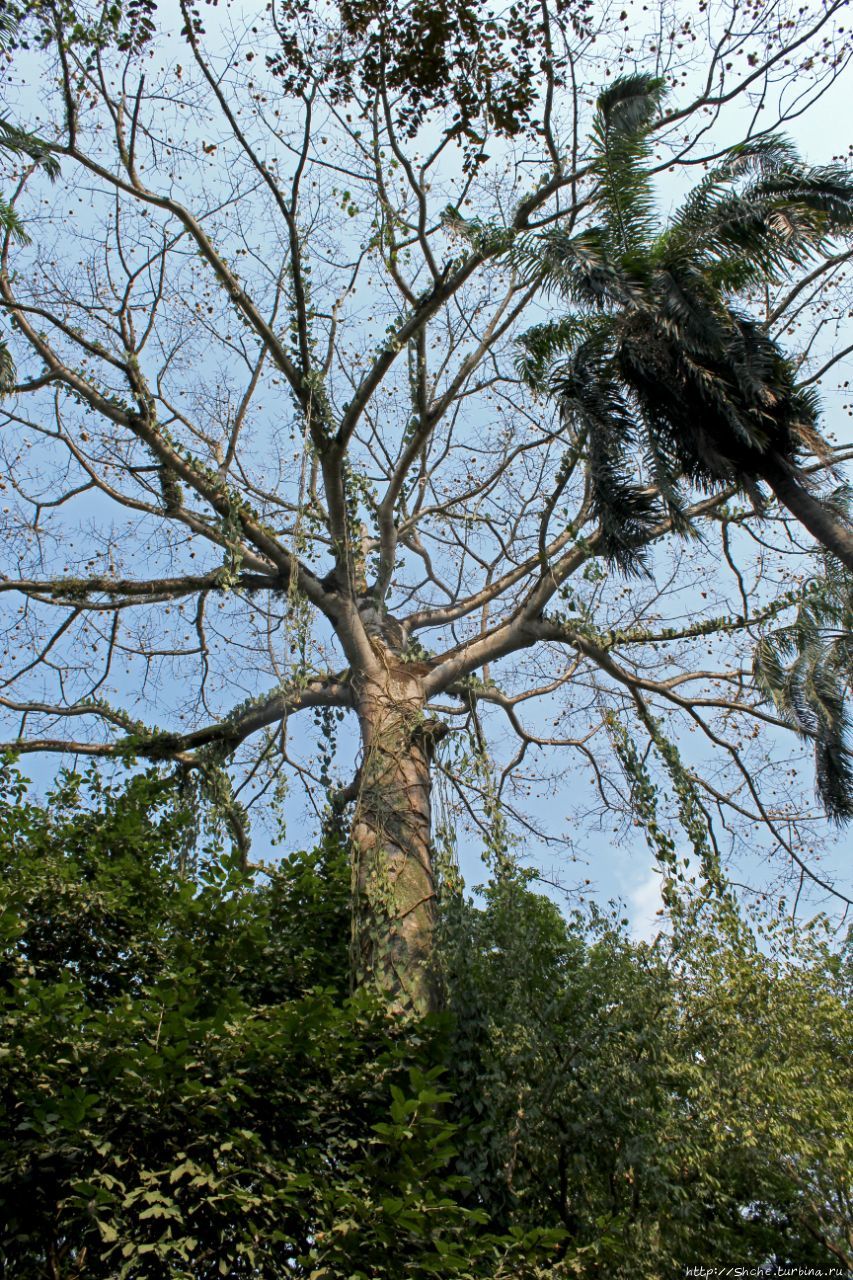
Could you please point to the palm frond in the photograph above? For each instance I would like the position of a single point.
(7, 369)
(540, 346)
(19, 142)
(580, 268)
(590, 398)
(628, 106)
(758, 213)
(835, 775)
(823, 192)
(623, 195)
(687, 402)
(758, 370)
(665, 470)
(684, 306)
(10, 222)
(12, 138)
(761, 155)
(806, 671)
(8, 28)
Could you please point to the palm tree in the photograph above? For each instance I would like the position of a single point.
(656, 360)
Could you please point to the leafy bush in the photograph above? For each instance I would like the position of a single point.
(684, 1103)
(190, 1089)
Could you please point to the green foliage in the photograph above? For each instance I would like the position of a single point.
(658, 363)
(475, 63)
(766, 1042)
(806, 669)
(623, 195)
(665, 1104)
(190, 1090)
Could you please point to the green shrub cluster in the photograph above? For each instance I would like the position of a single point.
(190, 1089)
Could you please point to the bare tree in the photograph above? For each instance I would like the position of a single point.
(268, 451)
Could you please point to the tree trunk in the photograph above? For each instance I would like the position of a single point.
(394, 891)
(829, 529)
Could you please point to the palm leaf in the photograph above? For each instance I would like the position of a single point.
(628, 106)
(19, 142)
(806, 671)
(7, 369)
(760, 212)
(581, 268)
(623, 195)
(10, 222)
(8, 28)
(591, 400)
(541, 345)
(12, 138)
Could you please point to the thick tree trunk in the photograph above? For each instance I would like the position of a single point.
(822, 522)
(394, 891)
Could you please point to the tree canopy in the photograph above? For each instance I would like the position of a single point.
(282, 510)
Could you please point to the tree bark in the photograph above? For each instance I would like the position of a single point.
(394, 889)
(818, 517)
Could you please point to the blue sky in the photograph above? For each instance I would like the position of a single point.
(623, 869)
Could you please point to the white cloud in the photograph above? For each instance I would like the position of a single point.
(643, 902)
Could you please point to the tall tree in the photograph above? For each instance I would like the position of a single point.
(269, 453)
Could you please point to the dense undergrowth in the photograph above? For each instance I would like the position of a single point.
(190, 1089)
